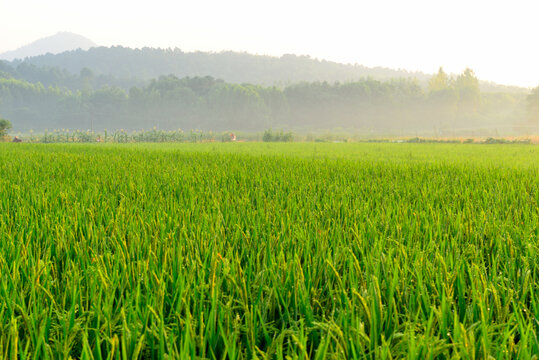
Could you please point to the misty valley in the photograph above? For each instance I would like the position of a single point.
(38, 94)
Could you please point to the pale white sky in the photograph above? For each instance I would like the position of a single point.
(498, 39)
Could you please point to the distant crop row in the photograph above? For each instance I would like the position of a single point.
(269, 135)
(151, 136)
(244, 251)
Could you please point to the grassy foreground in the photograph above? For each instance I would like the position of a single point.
(269, 250)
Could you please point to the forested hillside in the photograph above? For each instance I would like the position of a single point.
(122, 88)
(148, 63)
(126, 67)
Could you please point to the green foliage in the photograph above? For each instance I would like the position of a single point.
(439, 82)
(532, 105)
(467, 85)
(133, 66)
(126, 68)
(457, 100)
(205, 103)
(240, 251)
(491, 140)
(396, 107)
(5, 125)
(280, 136)
(123, 136)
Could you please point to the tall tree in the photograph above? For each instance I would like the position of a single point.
(442, 100)
(532, 105)
(467, 86)
(5, 125)
(439, 82)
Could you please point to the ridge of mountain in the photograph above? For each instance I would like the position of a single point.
(54, 44)
(237, 67)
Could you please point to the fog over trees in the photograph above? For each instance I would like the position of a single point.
(49, 92)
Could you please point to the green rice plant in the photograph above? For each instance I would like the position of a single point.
(269, 250)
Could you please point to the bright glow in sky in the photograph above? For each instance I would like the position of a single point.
(498, 39)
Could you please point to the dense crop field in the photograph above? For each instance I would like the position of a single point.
(269, 250)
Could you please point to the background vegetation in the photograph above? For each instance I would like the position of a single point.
(120, 88)
(399, 107)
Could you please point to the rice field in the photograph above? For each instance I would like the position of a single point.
(269, 251)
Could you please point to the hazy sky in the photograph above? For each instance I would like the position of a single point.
(498, 39)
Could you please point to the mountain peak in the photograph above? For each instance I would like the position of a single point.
(55, 44)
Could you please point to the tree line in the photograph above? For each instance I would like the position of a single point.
(401, 106)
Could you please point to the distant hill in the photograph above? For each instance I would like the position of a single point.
(121, 88)
(55, 44)
(131, 66)
(236, 67)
